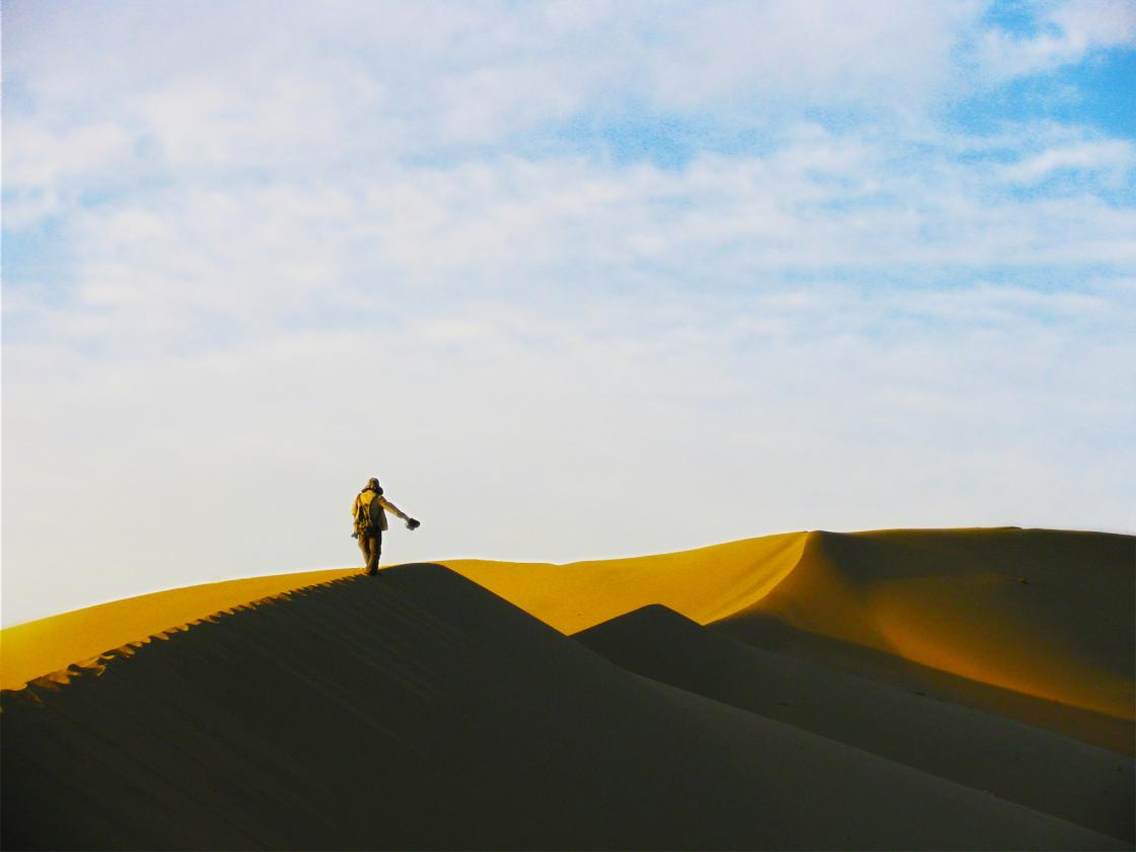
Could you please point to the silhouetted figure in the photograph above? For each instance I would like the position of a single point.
(370, 514)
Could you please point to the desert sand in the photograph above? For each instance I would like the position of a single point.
(934, 689)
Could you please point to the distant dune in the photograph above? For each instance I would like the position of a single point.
(962, 689)
(994, 618)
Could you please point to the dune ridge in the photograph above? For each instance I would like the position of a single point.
(1041, 613)
(419, 710)
(705, 584)
(59, 646)
(1005, 612)
(56, 646)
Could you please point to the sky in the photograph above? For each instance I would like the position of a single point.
(573, 279)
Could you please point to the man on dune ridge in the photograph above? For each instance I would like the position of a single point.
(369, 513)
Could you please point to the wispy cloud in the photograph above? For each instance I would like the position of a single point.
(1114, 160)
(1063, 33)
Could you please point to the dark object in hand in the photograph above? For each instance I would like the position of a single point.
(412, 524)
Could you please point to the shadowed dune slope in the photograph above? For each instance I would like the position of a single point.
(47, 647)
(1054, 774)
(1044, 613)
(417, 710)
(771, 634)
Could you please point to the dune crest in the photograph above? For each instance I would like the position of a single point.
(1035, 625)
(705, 584)
(50, 647)
(1040, 612)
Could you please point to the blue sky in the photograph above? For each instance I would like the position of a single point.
(575, 279)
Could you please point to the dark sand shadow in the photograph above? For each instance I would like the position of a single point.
(417, 710)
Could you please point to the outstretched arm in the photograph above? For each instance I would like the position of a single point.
(391, 507)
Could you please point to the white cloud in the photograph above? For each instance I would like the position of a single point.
(1067, 32)
(46, 167)
(328, 86)
(310, 242)
(1115, 158)
(43, 158)
(1094, 24)
(826, 51)
(158, 266)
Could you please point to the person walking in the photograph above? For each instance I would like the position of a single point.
(370, 515)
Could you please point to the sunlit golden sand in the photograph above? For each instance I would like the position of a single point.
(1020, 609)
(1038, 612)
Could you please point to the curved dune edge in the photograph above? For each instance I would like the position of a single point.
(730, 576)
(705, 584)
(1039, 612)
(49, 647)
(1044, 613)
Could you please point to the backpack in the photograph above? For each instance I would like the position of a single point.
(369, 517)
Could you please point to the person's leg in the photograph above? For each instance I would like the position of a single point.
(376, 546)
(375, 543)
(365, 547)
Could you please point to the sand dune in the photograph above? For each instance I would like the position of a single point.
(1043, 613)
(1003, 615)
(704, 584)
(1094, 787)
(49, 647)
(418, 710)
(769, 633)
(904, 689)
